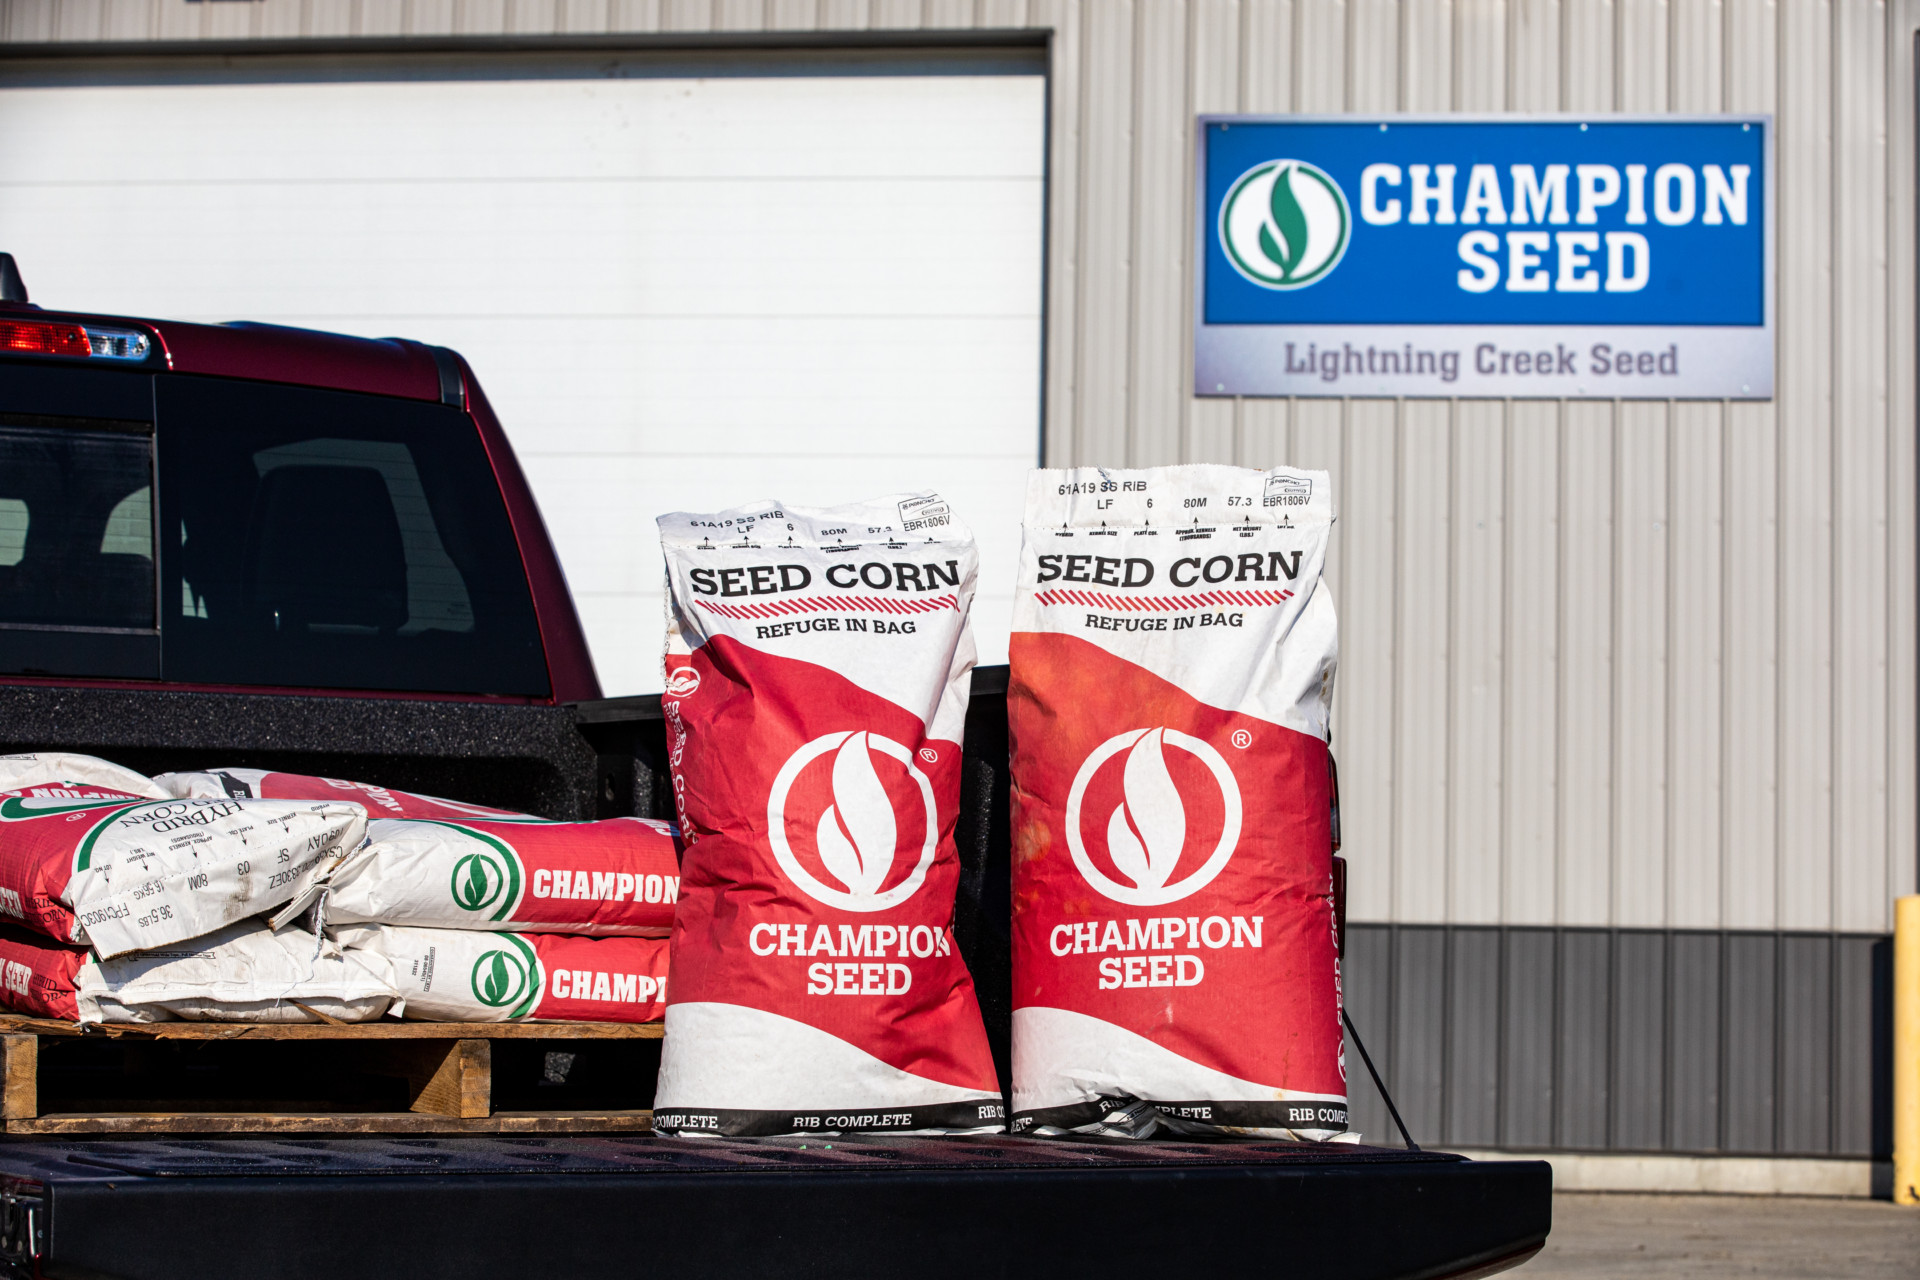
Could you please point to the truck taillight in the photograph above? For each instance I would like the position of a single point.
(44, 339)
(56, 338)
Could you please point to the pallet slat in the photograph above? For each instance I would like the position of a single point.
(318, 1123)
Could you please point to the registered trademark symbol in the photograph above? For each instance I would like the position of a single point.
(929, 755)
(1242, 739)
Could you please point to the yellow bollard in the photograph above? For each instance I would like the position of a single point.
(1906, 1051)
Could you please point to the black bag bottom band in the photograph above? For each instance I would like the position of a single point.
(989, 1115)
(1139, 1118)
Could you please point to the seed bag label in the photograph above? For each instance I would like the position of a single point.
(1172, 657)
(84, 865)
(617, 876)
(265, 784)
(468, 975)
(817, 673)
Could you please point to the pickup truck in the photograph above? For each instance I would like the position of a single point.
(249, 545)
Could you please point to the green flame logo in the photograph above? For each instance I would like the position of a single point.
(487, 879)
(1285, 224)
(477, 881)
(503, 978)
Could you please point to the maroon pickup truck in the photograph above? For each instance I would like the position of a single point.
(257, 546)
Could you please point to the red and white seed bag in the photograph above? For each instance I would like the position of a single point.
(1173, 653)
(474, 975)
(38, 975)
(818, 665)
(619, 875)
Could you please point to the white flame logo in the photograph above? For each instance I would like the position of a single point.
(858, 835)
(1147, 830)
(861, 811)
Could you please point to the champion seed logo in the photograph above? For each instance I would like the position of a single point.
(477, 882)
(1146, 834)
(504, 978)
(487, 877)
(850, 823)
(1285, 224)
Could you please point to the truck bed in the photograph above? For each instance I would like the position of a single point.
(616, 1205)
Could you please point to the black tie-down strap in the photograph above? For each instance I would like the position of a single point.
(1378, 1083)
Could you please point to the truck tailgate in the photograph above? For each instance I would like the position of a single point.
(620, 1206)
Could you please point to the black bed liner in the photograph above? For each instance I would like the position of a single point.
(926, 1208)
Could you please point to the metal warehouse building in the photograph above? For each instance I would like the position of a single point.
(1626, 707)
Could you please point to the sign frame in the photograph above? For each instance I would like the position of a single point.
(1254, 360)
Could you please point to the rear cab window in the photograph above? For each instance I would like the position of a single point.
(77, 536)
(301, 538)
(335, 540)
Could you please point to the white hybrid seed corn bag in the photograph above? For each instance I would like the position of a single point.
(245, 972)
(84, 864)
(469, 975)
(817, 671)
(1173, 653)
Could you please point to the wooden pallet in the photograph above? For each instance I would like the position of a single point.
(447, 1067)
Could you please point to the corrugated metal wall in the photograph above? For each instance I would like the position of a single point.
(1642, 672)
(1627, 665)
(1624, 1039)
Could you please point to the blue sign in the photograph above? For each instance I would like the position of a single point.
(1468, 256)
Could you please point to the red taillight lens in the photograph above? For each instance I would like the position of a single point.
(42, 338)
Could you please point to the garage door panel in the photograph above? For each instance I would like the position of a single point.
(972, 126)
(958, 385)
(679, 294)
(625, 632)
(680, 249)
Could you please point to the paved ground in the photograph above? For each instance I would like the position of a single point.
(1779, 1237)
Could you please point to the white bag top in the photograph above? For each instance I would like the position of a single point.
(43, 768)
(877, 592)
(1140, 562)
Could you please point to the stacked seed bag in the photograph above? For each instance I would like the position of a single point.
(483, 915)
(128, 904)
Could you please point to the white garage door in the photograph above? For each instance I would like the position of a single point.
(680, 293)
